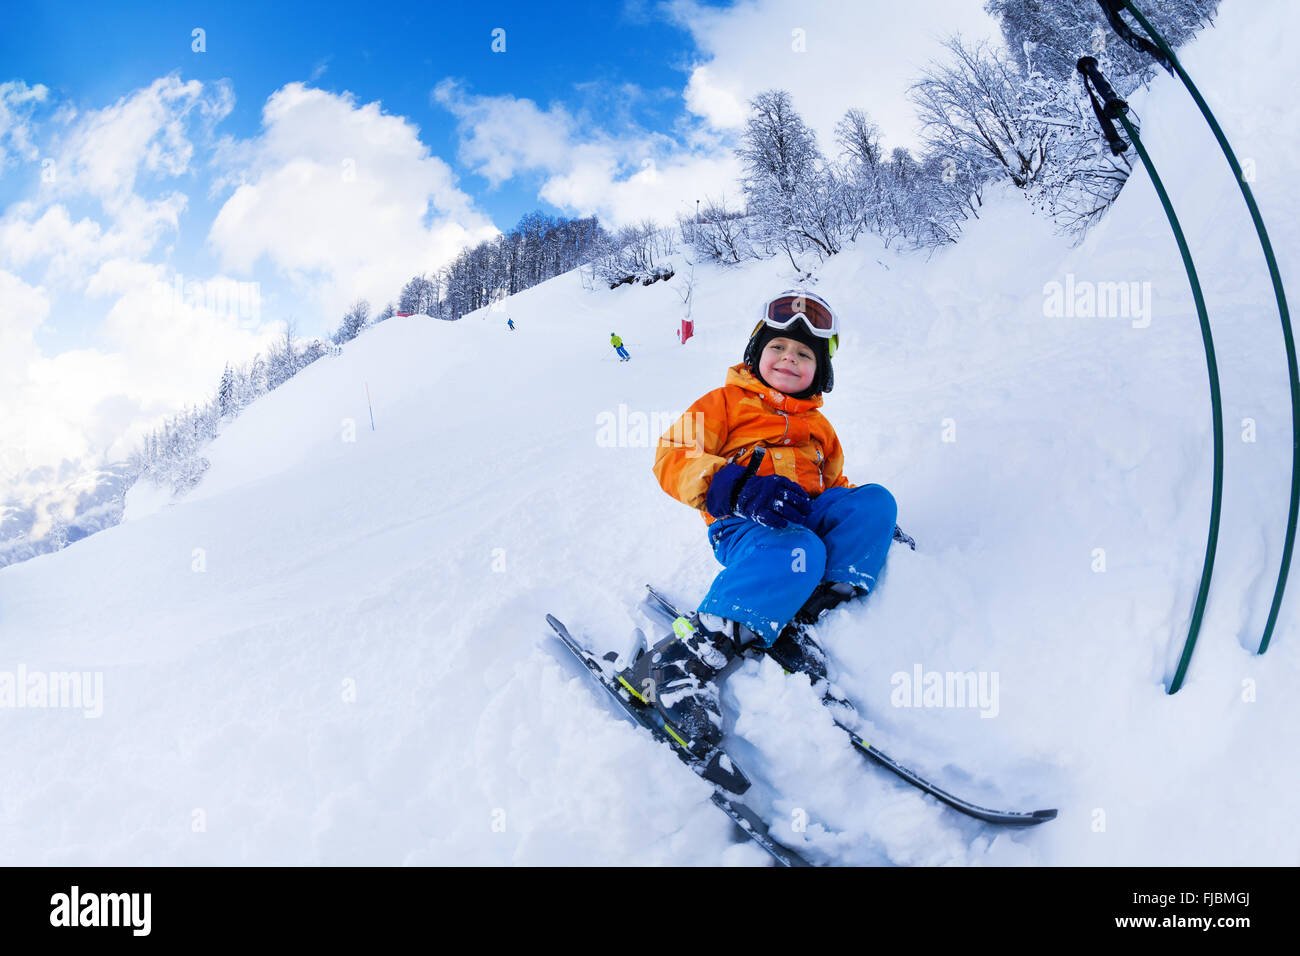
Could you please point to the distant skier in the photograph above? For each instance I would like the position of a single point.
(795, 537)
(510, 323)
(615, 341)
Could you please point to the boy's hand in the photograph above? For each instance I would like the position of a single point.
(774, 501)
(771, 500)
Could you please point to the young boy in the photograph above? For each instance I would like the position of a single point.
(765, 469)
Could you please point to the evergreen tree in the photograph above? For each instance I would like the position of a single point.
(226, 392)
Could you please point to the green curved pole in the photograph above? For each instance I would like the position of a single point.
(1279, 293)
(1216, 406)
(1114, 108)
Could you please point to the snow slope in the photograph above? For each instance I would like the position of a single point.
(333, 651)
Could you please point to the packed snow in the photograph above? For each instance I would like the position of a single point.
(333, 650)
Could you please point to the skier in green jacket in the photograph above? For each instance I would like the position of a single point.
(615, 341)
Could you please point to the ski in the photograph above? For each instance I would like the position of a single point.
(728, 781)
(1012, 818)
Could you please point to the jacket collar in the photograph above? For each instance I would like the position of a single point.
(741, 376)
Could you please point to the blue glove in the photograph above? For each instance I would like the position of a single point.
(771, 500)
(774, 501)
(720, 501)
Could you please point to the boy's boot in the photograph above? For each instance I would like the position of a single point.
(794, 649)
(685, 674)
(827, 595)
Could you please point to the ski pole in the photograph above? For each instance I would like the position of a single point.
(1164, 55)
(1116, 109)
(371, 407)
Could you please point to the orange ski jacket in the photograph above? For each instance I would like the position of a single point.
(728, 423)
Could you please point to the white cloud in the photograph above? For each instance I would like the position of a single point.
(17, 101)
(101, 155)
(34, 427)
(178, 340)
(148, 132)
(22, 309)
(157, 354)
(69, 250)
(342, 199)
(863, 55)
(722, 103)
(659, 190)
(150, 354)
(620, 178)
(503, 136)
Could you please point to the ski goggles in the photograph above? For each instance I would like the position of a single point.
(791, 306)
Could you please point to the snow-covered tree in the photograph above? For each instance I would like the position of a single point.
(636, 253)
(282, 359)
(1049, 36)
(538, 248)
(1079, 177)
(971, 110)
(418, 296)
(353, 322)
(226, 392)
(781, 165)
(312, 350)
(862, 172)
(718, 234)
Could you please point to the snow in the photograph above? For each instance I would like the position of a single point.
(333, 650)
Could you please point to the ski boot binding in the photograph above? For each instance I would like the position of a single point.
(794, 648)
(683, 672)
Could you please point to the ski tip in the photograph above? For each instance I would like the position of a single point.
(1028, 818)
(559, 628)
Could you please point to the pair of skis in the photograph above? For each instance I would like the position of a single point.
(728, 781)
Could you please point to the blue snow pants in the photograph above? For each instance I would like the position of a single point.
(768, 574)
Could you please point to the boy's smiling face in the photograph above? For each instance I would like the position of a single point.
(787, 365)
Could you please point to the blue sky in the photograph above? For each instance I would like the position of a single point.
(395, 54)
(165, 210)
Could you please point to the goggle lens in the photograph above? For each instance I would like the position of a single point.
(817, 315)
